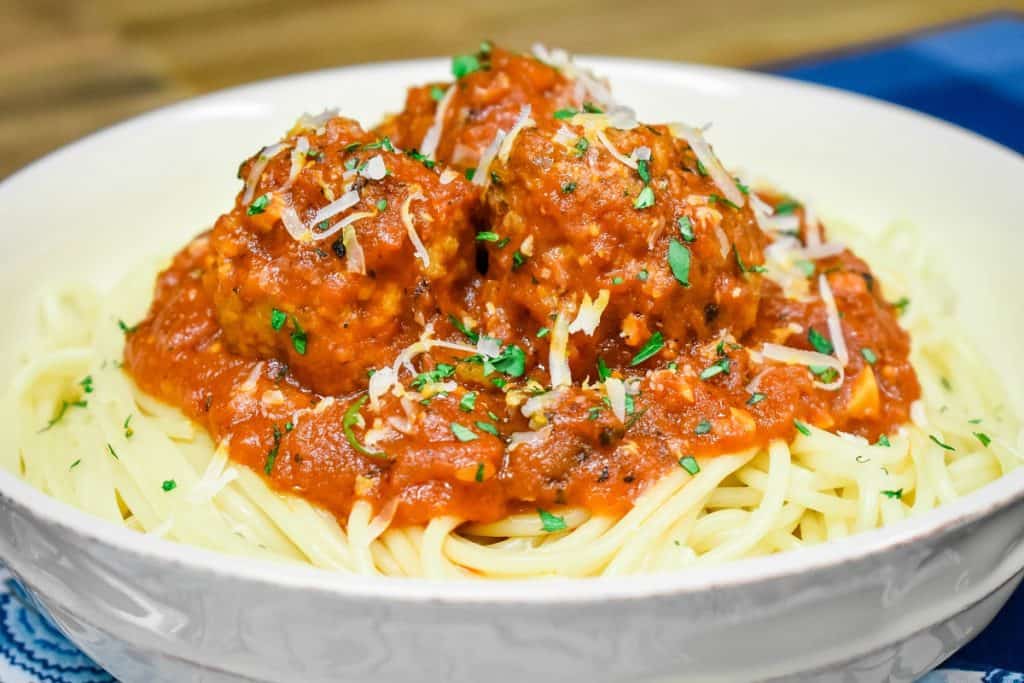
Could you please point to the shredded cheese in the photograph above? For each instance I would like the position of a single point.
(374, 168)
(342, 203)
(791, 356)
(342, 224)
(428, 147)
(482, 174)
(298, 160)
(355, 259)
(589, 315)
(522, 122)
(835, 326)
(558, 355)
(256, 172)
(702, 149)
(616, 391)
(293, 224)
(628, 161)
(421, 251)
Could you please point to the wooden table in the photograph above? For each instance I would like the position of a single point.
(69, 67)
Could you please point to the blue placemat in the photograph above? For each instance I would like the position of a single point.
(971, 75)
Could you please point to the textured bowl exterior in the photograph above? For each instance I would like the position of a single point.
(885, 605)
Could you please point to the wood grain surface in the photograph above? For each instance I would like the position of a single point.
(69, 67)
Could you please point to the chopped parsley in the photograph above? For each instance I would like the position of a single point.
(511, 361)
(469, 173)
(883, 440)
(617, 280)
(582, 145)
(592, 108)
(128, 431)
(655, 344)
(415, 155)
(686, 228)
(277, 319)
(941, 443)
(679, 262)
(643, 169)
(438, 374)
(487, 236)
(64, 406)
(350, 420)
(869, 355)
(75, 464)
(518, 259)
(112, 452)
(382, 204)
(703, 427)
(689, 463)
(894, 494)
(755, 398)
(603, 372)
(820, 343)
(268, 465)
(717, 368)
(569, 188)
(86, 384)
(563, 114)
(901, 304)
(786, 206)
(645, 199)
(479, 476)
(461, 327)
(125, 327)
(802, 428)
(299, 339)
(259, 205)
(716, 199)
(437, 93)
(642, 275)
(468, 402)
(701, 169)
(463, 434)
(169, 485)
(744, 268)
(486, 427)
(550, 522)
(384, 143)
(463, 65)
(806, 267)
(983, 438)
(543, 332)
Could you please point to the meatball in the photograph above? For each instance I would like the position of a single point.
(581, 207)
(481, 102)
(337, 253)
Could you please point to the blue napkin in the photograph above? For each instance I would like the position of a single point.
(971, 75)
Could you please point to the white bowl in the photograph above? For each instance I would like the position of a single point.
(884, 605)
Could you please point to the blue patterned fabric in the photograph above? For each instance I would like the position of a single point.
(971, 75)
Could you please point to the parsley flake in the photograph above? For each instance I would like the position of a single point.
(551, 523)
(679, 262)
(689, 463)
(463, 434)
(655, 344)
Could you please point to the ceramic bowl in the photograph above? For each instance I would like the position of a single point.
(884, 605)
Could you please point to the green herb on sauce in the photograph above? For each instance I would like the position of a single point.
(642, 275)
(463, 65)
(645, 199)
(679, 262)
(487, 236)
(883, 440)
(468, 402)
(437, 93)
(382, 204)
(592, 108)
(415, 155)
(806, 267)
(819, 342)
(717, 368)
(703, 427)
(582, 145)
(786, 206)
(463, 434)
(277, 319)
(350, 420)
(643, 169)
(755, 398)
(440, 373)
(901, 304)
(568, 188)
(125, 327)
(299, 339)
(461, 327)
(564, 114)
(653, 346)
(744, 268)
(259, 205)
(511, 361)
(802, 428)
(603, 372)
(869, 355)
(686, 228)
(479, 476)
(486, 427)
(518, 259)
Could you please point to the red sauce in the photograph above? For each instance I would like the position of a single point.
(268, 341)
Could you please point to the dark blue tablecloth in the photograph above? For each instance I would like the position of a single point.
(971, 75)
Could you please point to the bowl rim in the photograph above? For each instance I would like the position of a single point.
(19, 495)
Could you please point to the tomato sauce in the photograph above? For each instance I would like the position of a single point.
(268, 329)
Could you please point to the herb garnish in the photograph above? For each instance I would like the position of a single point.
(883, 440)
(603, 372)
(277, 319)
(441, 372)
(716, 368)
(468, 402)
(169, 485)
(563, 114)
(645, 199)
(801, 427)
(350, 420)
(820, 343)
(259, 205)
(461, 327)
(679, 262)
(486, 427)
(896, 494)
(653, 345)
(703, 427)
(550, 522)
(64, 405)
(755, 398)
(983, 438)
(686, 228)
(869, 355)
(299, 338)
(463, 65)
(463, 434)
(744, 268)
(941, 443)
(689, 463)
